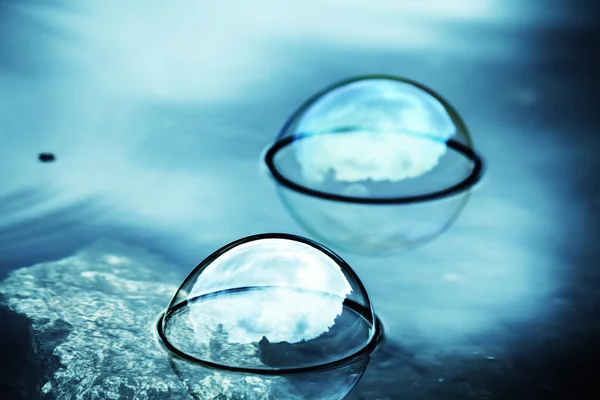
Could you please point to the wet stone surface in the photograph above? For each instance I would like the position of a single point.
(91, 318)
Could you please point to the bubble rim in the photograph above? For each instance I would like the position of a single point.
(466, 150)
(367, 349)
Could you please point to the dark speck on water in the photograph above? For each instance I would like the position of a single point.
(47, 157)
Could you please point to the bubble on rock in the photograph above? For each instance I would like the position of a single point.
(270, 302)
(274, 314)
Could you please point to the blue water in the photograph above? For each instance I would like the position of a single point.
(158, 113)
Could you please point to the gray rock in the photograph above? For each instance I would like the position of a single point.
(93, 313)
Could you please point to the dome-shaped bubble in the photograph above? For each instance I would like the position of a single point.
(374, 164)
(270, 304)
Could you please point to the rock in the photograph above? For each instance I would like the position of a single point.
(90, 319)
(21, 371)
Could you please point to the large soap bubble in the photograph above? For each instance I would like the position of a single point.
(374, 164)
(271, 304)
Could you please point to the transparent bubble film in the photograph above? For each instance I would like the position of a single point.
(270, 303)
(374, 141)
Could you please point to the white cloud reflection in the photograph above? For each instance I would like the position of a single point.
(280, 314)
(397, 131)
(362, 156)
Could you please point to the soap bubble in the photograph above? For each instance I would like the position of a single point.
(271, 304)
(374, 164)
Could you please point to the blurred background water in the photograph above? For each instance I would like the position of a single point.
(158, 113)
